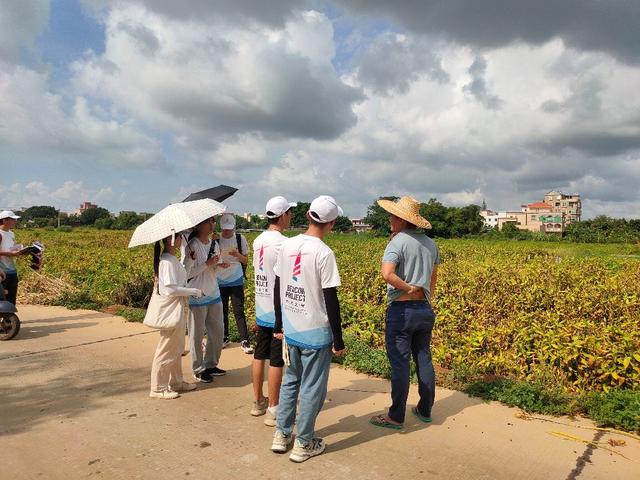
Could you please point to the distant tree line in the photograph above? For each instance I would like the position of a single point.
(457, 222)
(47, 216)
(604, 229)
(601, 229)
(299, 218)
(446, 222)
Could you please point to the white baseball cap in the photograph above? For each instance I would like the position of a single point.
(228, 221)
(325, 209)
(8, 214)
(278, 206)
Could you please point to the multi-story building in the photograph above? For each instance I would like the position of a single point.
(569, 206)
(359, 225)
(85, 206)
(550, 216)
(490, 217)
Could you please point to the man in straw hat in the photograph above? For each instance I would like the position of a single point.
(409, 267)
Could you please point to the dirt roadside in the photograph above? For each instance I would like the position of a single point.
(75, 405)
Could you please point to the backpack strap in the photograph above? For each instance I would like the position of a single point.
(239, 244)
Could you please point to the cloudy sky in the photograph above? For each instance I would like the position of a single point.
(133, 104)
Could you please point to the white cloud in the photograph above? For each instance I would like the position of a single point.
(207, 86)
(245, 152)
(66, 197)
(20, 23)
(38, 120)
(253, 100)
(431, 140)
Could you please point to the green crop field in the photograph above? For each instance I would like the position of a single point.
(550, 314)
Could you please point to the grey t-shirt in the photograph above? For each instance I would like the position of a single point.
(414, 255)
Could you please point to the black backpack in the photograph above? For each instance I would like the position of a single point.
(239, 244)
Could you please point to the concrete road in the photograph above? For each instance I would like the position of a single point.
(75, 404)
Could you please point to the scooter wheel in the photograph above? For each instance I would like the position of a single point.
(9, 326)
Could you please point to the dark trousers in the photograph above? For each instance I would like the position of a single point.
(408, 333)
(236, 294)
(11, 285)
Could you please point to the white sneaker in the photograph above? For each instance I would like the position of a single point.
(165, 395)
(184, 387)
(301, 453)
(260, 407)
(281, 442)
(246, 347)
(269, 419)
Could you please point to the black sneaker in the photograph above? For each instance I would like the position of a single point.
(246, 347)
(216, 372)
(225, 342)
(204, 377)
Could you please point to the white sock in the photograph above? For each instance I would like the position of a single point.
(273, 410)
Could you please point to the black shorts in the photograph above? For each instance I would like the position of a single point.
(268, 347)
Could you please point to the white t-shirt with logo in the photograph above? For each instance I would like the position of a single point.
(265, 253)
(231, 276)
(7, 243)
(305, 266)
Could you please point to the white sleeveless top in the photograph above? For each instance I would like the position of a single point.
(7, 264)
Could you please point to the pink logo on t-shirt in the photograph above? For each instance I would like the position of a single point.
(261, 258)
(297, 269)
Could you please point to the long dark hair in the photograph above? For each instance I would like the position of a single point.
(156, 258)
(194, 231)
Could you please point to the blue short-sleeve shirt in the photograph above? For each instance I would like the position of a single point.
(415, 256)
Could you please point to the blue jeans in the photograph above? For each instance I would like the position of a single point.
(307, 378)
(408, 332)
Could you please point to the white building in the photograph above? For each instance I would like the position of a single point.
(490, 218)
(359, 225)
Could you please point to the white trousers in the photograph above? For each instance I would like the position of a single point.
(166, 369)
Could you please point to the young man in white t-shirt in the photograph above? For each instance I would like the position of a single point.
(8, 251)
(265, 252)
(308, 314)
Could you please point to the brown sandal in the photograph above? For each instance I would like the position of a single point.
(382, 421)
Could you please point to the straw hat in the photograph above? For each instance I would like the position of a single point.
(407, 208)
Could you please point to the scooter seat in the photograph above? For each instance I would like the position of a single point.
(7, 307)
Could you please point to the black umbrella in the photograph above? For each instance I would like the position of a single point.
(219, 193)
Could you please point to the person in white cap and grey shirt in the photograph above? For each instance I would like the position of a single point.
(265, 252)
(8, 251)
(234, 250)
(308, 313)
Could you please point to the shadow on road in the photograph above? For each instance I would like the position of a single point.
(28, 331)
(363, 432)
(83, 316)
(30, 402)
